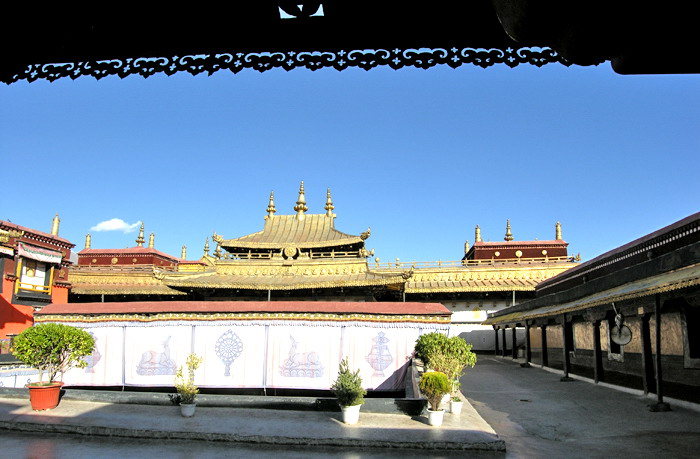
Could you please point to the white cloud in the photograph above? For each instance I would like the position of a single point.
(116, 224)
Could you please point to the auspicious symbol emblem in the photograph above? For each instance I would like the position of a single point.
(379, 357)
(93, 358)
(157, 363)
(290, 251)
(115, 260)
(228, 348)
(301, 364)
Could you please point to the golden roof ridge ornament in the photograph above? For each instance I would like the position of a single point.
(329, 204)
(140, 240)
(558, 231)
(151, 241)
(364, 236)
(271, 209)
(88, 240)
(477, 234)
(466, 246)
(183, 254)
(206, 247)
(509, 234)
(301, 207)
(54, 225)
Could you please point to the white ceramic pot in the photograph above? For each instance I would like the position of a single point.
(187, 409)
(351, 414)
(435, 417)
(456, 407)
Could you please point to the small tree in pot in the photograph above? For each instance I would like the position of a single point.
(51, 349)
(349, 391)
(434, 385)
(186, 389)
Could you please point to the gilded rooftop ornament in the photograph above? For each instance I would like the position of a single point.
(206, 247)
(271, 206)
(477, 234)
(151, 240)
(88, 240)
(466, 246)
(329, 204)
(558, 231)
(54, 225)
(301, 207)
(509, 234)
(364, 236)
(140, 240)
(183, 254)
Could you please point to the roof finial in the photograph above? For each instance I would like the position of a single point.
(183, 254)
(329, 204)
(477, 234)
(300, 208)
(466, 246)
(140, 240)
(151, 240)
(88, 240)
(54, 225)
(558, 231)
(271, 206)
(509, 234)
(206, 248)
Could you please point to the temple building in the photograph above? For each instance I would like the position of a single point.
(630, 316)
(303, 257)
(34, 267)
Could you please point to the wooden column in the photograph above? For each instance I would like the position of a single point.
(647, 357)
(505, 343)
(566, 330)
(597, 353)
(659, 405)
(515, 348)
(545, 359)
(495, 331)
(528, 347)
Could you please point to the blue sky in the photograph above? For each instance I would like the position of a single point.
(421, 156)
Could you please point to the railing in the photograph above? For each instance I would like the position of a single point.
(469, 263)
(33, 287)
(121, 268)
(271, 255)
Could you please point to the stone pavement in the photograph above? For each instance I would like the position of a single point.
(467, 431)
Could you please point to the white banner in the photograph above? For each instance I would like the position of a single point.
(105, 366)
(154, 353)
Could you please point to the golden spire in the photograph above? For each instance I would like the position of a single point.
(88, 240)
(151, 240)
(300, 208)
(271, 206)
(140, 240)
(183, 254)
(558, 231)
(54, 225)
(206, 248)
(477, 234)
(466, 246)
(509, 234)
(329, 204)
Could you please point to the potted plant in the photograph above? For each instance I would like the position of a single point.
(186, 389)
(450, 356)
(434, 385)
(349, 391)
(51, 348)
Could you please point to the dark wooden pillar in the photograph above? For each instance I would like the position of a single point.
(659, 405)
(505, 343)
(647, 358)
(515, 348)
(495, 331)
(545, 359)
(528, 345)
(566, 330)
(597, 353)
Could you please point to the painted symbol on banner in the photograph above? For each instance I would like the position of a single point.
(379, 357)
(301, 364)
(157, 363)
(228, 348)
(93, 358)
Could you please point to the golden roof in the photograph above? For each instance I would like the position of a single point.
(313, 231)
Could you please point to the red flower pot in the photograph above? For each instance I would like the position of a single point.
(44, 396)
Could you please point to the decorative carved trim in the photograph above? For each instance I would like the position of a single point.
(234, 62)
